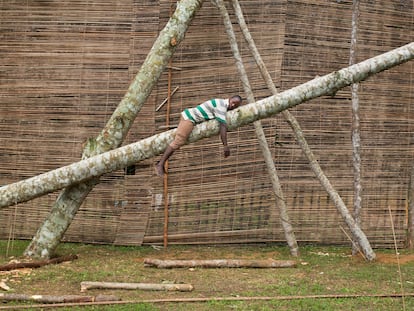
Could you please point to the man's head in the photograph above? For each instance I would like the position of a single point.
(234, 102)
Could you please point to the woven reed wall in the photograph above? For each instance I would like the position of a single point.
(65, 66)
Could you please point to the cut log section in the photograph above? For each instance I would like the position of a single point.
(220, 263)
(37, 264)
(57, 299)
(142, 286)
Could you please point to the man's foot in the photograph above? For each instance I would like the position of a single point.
(159, 169)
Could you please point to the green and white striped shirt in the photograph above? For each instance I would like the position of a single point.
(211, 109)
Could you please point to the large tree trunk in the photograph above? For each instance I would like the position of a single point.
(127, 155)
(64, 210)
(112, 160)
(267, 155)
(356, 137)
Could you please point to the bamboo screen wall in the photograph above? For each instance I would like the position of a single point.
(65, 66)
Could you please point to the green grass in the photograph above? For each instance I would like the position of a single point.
(320, 271)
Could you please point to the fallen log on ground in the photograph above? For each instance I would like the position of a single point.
(57, 299)
(37, 264)
(142, 286)
(220, 263)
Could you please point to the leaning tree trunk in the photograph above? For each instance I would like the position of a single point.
(291, 120)
(356, 137)
(127, 155)
(277, 189)
(98, 165)
(65, 208)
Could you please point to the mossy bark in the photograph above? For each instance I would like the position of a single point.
(98, 165)
(356, 135)
(50, 233)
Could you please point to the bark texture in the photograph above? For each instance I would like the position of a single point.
(86, 285)
(220, 263)
(37, 264)
(64, 210)
(300, 138)
(95, 166)
(267, 155)
(356, 137)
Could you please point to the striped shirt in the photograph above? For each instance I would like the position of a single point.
(211, 109)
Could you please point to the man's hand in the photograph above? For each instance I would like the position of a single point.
(226, 151)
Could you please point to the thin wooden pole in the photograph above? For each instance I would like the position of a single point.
(208, 299)
(356, 137)
(277, 188)
(398, 258)
(359, 236)
(167, 124)
(166, 99)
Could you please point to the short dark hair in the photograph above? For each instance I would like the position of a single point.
(238, 97)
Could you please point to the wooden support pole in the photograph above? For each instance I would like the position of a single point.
(280, 203)
(142, 286)
(358, 235)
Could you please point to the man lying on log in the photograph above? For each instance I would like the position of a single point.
(211, 109)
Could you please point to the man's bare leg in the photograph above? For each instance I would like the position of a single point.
(160, 166)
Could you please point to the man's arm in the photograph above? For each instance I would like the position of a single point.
(223, 136)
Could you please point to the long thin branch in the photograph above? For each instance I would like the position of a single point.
(277, 188)
(209, 299)
(294, 124)
(356, 137)
(52, 299)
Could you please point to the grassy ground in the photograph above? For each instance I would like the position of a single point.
(320, 271)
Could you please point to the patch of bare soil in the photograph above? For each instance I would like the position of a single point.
(393, 259)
